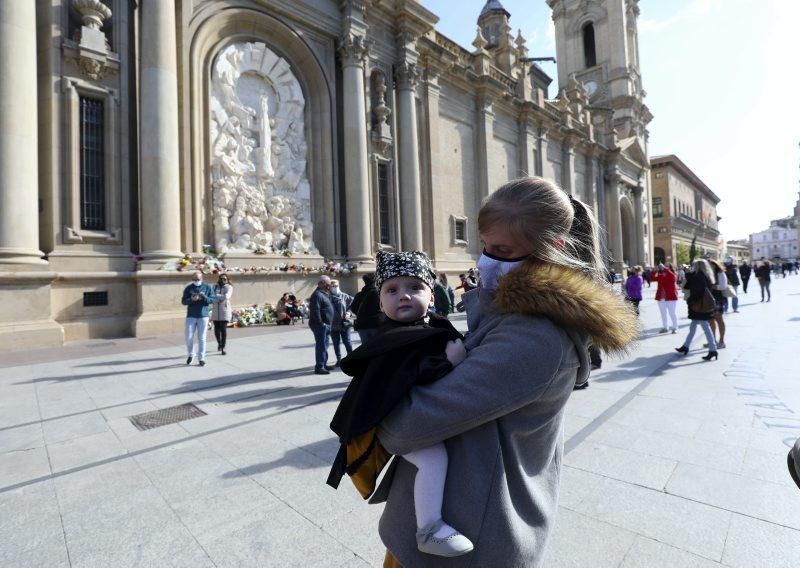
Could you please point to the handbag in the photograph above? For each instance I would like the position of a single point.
(728, 292)
(705, 305)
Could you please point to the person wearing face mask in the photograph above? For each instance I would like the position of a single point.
(197, 297)
(500, 413)
(342, 321)
(319, 320)
(221, 314)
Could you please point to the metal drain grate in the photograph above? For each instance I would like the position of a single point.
(165, 416)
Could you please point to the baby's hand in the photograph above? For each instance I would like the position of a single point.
(455, 351)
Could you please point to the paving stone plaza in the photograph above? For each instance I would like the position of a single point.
(669, 461)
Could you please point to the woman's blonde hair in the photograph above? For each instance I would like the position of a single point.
(702, 266)
(541, 214)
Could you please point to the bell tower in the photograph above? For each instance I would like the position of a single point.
(597, 43)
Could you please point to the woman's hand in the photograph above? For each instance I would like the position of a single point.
(455, 351)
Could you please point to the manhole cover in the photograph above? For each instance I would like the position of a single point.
(165, 416)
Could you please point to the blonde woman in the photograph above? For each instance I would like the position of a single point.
(700, 284)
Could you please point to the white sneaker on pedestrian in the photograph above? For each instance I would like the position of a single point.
(453, 543)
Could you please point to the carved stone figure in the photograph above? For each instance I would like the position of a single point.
(261, 196)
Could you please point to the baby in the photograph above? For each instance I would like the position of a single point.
(411, 348)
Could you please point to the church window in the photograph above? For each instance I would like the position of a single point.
(458, 225)
(657, 207)
(92, 174)
(589, 53)
(383, 204)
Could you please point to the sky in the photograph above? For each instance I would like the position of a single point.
(723, 83)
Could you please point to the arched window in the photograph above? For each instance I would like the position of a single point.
(589, 52)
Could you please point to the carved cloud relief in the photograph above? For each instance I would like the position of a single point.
(261, 196)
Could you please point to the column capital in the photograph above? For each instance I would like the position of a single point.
(406, 75)
(353, 50)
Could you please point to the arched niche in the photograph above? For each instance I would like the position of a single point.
(210, 32)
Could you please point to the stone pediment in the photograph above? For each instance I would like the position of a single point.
(633, 148)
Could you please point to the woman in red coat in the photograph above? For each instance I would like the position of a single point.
(666, 295)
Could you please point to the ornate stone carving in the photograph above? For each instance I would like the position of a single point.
(261, 197)
(353, 49)
(381, 131)
(479, 43)
(93, 12)
(93, 45)
(406, 75)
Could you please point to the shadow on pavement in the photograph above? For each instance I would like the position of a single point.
(297, 458)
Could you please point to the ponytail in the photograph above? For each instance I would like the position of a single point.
(584, 238)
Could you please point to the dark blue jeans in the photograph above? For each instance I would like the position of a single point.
(322, 338)
(366, 334)
(343, 336)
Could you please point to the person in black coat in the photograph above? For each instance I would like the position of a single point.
(367, 308)
(763, 273)
(702, 306)
(744, 271)
(733, 280)
(320, 319)
(412, 347)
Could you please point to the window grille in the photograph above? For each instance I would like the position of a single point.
(92, 170)
(383, 204)
(461, 230)
(95, 298)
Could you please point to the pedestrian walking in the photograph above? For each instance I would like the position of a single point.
(667, 296)
(441, 299)
(221, 313)
(744, 271)
(319, 320)
(197, 297)
(342, 321)
(701, 304)
(633, 288)
(523, 328)
(733, 281)
(451, 294)
(367, 308)
(763, 271)
(717, 323)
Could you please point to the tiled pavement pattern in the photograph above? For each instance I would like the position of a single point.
(670, 461)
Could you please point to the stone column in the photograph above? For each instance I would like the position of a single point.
(638, 212)
(527, 147)
(436, 182)
(353, 52)
(19, 180)
(160, 173)
(485, 134)
(541, 150)
(406, 78)
(614, 222)
(568, 167)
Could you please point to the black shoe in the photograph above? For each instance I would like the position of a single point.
(202, 363)
(223, 350)
(322, 372)
(329, 367)
(584, 385)
(711, 355)
(683, 350)
(189, 360)
(794, 470)
(595, 366)
(337, 364)
(218, 347)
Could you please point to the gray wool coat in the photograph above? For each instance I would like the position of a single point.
(500, 413)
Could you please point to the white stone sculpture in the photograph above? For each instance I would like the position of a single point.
(261, 195)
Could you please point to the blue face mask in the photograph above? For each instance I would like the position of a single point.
(493, 267)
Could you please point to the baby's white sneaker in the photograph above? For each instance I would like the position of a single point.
(441, 539)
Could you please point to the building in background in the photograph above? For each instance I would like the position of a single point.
(738, 250)
(780, 242)
(316, 129)
(684, 210)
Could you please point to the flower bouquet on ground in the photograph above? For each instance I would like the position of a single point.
(252, 315)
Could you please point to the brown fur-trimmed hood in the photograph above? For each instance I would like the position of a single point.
(569, 299)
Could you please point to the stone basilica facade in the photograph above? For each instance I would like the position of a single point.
(138, 130)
